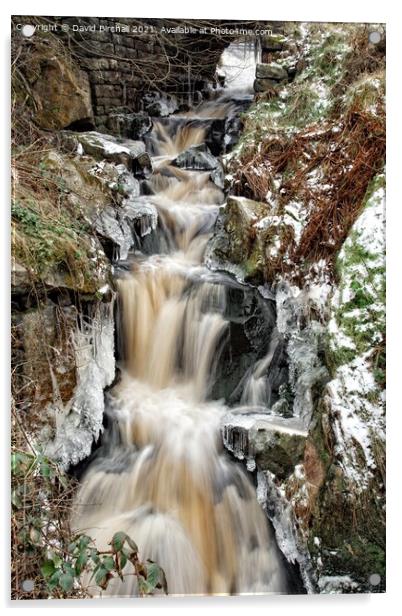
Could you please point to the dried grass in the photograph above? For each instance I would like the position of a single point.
(345, 152)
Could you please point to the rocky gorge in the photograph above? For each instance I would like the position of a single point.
(251, 202)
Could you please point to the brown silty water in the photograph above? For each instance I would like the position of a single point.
(165, 479)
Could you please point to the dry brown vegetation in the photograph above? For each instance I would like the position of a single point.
(326, 165)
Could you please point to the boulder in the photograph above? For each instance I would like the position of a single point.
(141, 124)
(271, 71)
(198, 157)
(235, 240)
(131, 125)
(21, 279)
(160, 105)
(218, 177)
(61, 93)
(128, 185)
(223, 133)
(141, 214)
(216, 134)
(274, 443)
(251, 240)
(101, 147)
(109, 227)
(142, 166)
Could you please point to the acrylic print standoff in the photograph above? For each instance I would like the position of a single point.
(198, 318)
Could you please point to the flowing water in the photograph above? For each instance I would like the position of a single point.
(162, 475)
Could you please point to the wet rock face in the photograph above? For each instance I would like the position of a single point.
(251, 322)
(198, 157)
(223, 134)
(41, 336)
(62, 94)
(265, 441)
(215, 137)
(236, 239)
(129, 125)
(265, 85)
(108, 196)
(101, 147)
(111, 227)
(271, 71)
(280, 450)
(159, 105)
(270, 76)
(217, 176)
(20, 278)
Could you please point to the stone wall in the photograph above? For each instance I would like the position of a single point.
(122, 65)
(124, 59)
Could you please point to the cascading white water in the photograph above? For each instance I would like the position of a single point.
(165, 478)
(256, 392)
(238, 63)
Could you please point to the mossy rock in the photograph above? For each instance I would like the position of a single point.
(248, 235)
(278, 452)
(53, 243)
(271, 71)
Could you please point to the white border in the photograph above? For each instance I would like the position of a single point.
(340, 10)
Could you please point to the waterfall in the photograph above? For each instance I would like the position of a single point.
(162, 475)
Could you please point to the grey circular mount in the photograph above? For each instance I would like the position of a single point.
(375, 37)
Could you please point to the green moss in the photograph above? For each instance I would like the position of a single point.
(326, 56)
(361, 275)
(362, 318)
(52, 243)
(350, 527)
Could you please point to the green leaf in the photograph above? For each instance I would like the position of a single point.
(47, 569)
(66, 581)
(81, 562)
(45, 468)
(20, 462)
(94, 556)
(156, 576)
(144, 587)
(118, 540)
(72, 547)
(84, 541)
(68, 568)
(54, 580)
(14, 462)
(122, 560)
(100, 576)
(153, 573)
(57, 561)
(55, 558)
(108, 563)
